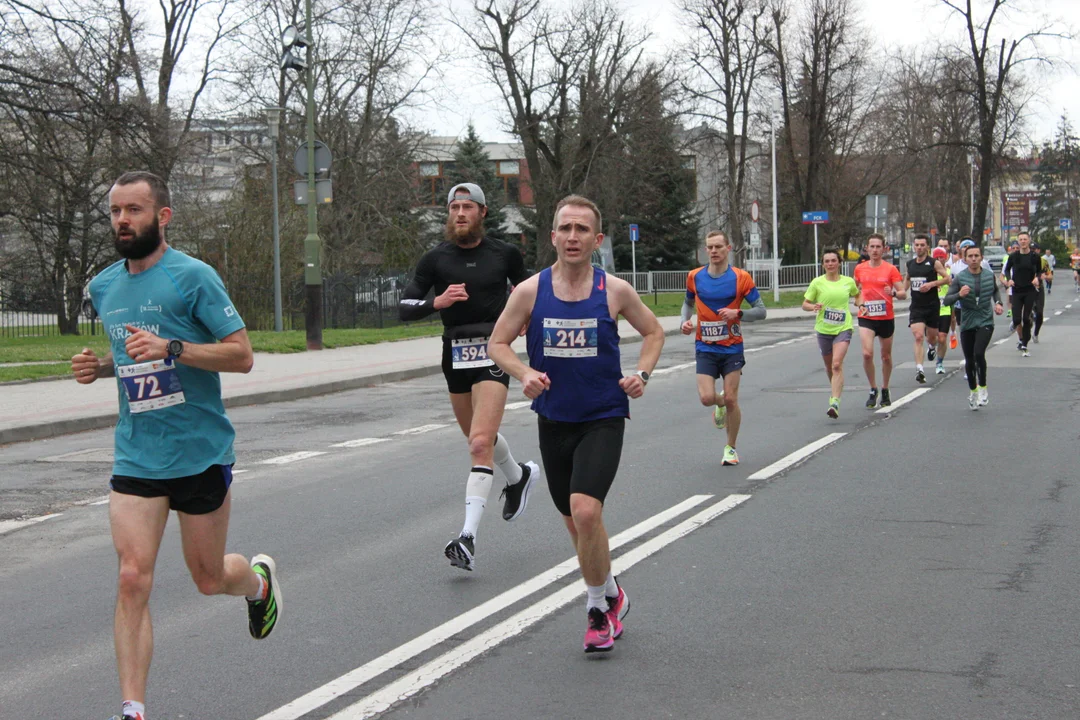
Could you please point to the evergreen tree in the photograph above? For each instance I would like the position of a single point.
(473, 164)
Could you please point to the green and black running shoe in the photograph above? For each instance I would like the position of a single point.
(263, 614)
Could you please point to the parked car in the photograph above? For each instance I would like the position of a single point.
(995, 255)
(384, 293)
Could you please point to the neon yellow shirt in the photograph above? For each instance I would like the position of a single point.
(834, 317)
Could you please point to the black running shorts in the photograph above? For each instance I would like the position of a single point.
(461, 381)
(926, 315)
(884, 329)
(195, 494)
(580, 457)
(944, 322)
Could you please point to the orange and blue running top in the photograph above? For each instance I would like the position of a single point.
(711, 295)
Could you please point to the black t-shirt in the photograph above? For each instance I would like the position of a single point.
(920, 272)
(485, 270)
(1022, 268)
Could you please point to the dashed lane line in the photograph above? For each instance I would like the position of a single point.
(291, 457)
(422, 643)
(899, 402)
(421, 429)
(360, 442)
(796, 457)
(416, 681)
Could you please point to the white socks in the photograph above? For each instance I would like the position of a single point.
(133, 709)
(261, 594)
(476, 494)
(596, 597)
(612, 587)
(506, 461)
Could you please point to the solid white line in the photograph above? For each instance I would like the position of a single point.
(414, 682)
(359, 442)
(786, 462)
(421, 429)
(355, 678)
(7, 526)
(904, 400)
(519, 405)
(673, 368)
(291, 457)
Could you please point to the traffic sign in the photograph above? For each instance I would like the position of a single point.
(633, 233)
(323, 160)
(815, 217)
(755, 211)
(1065, 224)
(755, 239)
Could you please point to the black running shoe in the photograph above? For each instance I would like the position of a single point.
(460, 551)
(931, 353)
(263, 614)
(517, 495)
(886, 401)
(871, 402)
(920, 377)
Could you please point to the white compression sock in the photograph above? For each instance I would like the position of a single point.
(505, 460)
(612, 587)
(596, 597)
(476, 494)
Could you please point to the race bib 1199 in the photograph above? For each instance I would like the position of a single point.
(834, 316)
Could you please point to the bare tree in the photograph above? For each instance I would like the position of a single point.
(566, 82)
(726, 52)
(993, 69)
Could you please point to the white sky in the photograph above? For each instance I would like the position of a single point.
(892, 22)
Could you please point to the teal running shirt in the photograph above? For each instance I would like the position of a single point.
(172, 419)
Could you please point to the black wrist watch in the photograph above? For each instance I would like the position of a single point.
(176, 348)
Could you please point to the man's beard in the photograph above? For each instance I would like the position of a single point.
(465, 236)
(141, 245)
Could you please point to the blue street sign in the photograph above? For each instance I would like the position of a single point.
(815, 217)
(1065, 223)
(633, 233)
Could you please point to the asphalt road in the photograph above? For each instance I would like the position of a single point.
(922, 565)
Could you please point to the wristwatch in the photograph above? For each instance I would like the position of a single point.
(644, 376)
(176, 348)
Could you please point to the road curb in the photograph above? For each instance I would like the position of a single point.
(55, 428)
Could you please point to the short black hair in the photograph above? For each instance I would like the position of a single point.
(922, 236)
(158, 188)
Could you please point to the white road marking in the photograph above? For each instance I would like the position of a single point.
(904, 400)
(239, 472)
(412, 683)
(360, 442)
(421, 429)
(355, 678)
(1069, 306)
(673, 368)
(1056, 312)
(7, 526)
(101, 500)
(519, 405)
(291, 457)
(786, 462)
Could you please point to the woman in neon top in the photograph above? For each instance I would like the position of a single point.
(829, 296)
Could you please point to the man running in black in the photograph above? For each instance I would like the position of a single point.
(1021, 273)
(923, 273)
(469, 275)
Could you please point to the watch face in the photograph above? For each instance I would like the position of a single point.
(175, 347)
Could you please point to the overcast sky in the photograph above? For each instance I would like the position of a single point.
(892, 23)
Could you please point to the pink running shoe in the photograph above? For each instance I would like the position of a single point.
(599, 637)
(618, 607)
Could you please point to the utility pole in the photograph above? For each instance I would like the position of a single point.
(313, 311)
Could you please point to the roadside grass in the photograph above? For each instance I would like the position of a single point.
(57, 350)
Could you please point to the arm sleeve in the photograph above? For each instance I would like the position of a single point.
(516, 264)
(415, 303)
(997, 292)
(687, 311)
(212, 307)
(757, 309)
(953, 295)
(1006, 269)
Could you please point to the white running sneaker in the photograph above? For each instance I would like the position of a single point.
(973, 400)
(984, 396)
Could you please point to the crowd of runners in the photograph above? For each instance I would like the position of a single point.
(174, 442)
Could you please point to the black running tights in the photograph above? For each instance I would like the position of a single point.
(1040, 303)
(974, 343)
(1023, 307)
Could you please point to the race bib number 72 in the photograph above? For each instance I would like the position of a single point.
(151, 385)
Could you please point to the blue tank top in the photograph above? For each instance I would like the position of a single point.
(577, 345)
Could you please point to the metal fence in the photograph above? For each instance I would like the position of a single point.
(29, 311)
(792, 277)
(348, 302)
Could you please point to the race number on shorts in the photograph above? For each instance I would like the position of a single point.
(575, 338)
(470, 353)
(151, 385)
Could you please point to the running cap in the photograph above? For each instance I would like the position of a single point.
(966, 243)
(939, 253)
(469, 191)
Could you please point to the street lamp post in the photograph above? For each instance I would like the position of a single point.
(273, 122)
(774, 111)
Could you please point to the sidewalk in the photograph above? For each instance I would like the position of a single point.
(47, 409)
